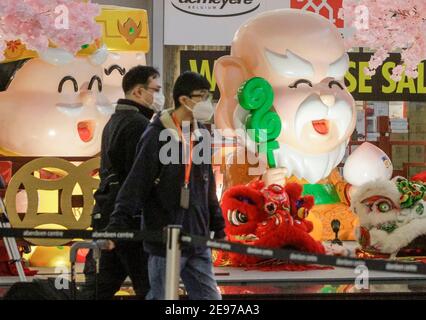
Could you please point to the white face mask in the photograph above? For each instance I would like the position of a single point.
(158, 102)
(202, 111)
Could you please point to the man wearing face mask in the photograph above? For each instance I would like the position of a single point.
(176, 192)
(120, 137)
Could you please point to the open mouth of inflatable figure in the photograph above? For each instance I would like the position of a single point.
(86, 130)
(321, 126)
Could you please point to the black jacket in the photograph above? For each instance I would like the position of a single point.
(119, 141)
(154, 188)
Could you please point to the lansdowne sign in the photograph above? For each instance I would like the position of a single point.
(364, 88)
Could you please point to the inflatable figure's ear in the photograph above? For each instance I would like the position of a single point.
(99, 56)
(230, 73)
(8, 71)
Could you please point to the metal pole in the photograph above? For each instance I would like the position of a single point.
(73, 259)
(73, 282)
(157, 33)
(173, 263)
(10, 244)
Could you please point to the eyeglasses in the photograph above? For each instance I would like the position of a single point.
(204, 96)
(153, 89)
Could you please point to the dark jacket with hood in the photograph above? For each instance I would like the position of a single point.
(120, 138)
(154, 187)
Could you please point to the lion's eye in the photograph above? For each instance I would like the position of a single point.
(270, 208)
(384, 206)
(241, 217)
(379, 204)
(237, 218)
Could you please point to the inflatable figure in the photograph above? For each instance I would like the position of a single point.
(54, 105)
(57, 104)
(285, 76)
(271, 217)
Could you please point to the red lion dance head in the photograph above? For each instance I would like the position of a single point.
(272, 217)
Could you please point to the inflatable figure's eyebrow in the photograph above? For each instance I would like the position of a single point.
(290, 64)
(92, 81)
(339, 67)
(65, 79)
(121, 70)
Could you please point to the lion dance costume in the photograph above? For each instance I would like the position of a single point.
(270, 217)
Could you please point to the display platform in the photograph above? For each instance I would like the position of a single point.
(336, 275)
(238, 283)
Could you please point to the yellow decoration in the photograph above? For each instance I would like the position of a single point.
(50, 257)
(122, 293)
(328, 212)
(123, 29)
(317, 232)
(16, 51)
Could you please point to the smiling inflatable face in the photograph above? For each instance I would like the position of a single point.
(54, 110)
(116, 65)
(302, 56)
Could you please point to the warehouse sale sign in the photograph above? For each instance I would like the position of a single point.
(380, 87)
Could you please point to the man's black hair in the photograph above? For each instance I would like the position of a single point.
(8, 71)
(138, 75)
(186, 84)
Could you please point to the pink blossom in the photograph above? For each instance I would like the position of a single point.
(393, 25)
(397, 73)
(2, 48)
(34, 22)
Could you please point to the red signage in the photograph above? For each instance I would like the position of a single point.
(327, 8)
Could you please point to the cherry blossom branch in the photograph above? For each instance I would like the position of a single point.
(388, 26)
(35, 23)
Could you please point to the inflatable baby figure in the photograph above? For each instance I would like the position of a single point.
(53, 103)
(56, 104)
(297, 61)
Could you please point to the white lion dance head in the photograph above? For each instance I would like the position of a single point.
(392, 217)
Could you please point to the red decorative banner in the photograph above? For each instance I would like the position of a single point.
(327, 8)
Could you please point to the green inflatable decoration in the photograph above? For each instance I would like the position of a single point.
(264, 126)
(323, 193)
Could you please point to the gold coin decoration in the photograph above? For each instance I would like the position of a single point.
(81, 175)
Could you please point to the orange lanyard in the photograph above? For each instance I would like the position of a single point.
(188, 165)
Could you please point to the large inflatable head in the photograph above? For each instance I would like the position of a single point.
(57, 104)
(301, 55)
(54, 110)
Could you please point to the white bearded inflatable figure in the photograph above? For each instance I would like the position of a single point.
(285, 77)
